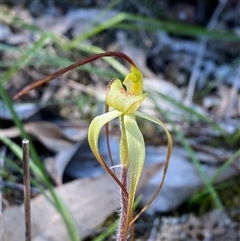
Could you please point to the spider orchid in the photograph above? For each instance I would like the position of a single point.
(124, 99)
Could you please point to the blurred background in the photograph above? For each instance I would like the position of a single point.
(189, 54)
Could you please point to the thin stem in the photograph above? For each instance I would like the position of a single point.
(27, 193)
(107, 140)
(70, 67)
(123, 222)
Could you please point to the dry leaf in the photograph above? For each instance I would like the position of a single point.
(90, 201)
(78, 161)
(85, 198)
(52, 136)
(229, 102)
(23, 110)
(55, 166)
(181, 182)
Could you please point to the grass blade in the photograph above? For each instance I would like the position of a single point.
(194, 159)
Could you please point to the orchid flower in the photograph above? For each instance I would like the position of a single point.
(124, 99)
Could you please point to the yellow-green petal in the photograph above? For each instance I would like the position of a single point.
(134, 82)
(121, 100)
(94, 131)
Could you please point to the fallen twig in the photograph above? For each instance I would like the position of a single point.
(27, 194)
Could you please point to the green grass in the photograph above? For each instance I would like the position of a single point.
(36, 55)
(183, 141)
(38, 170)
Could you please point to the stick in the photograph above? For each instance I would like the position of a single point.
(27, 195)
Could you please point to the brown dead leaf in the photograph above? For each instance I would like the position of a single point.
(52, 136)
(80, 196)
(55, 166)
(90, 201)
(229, 102)
(182, 180)
(23, 110)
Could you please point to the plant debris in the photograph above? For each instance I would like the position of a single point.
(163, 38)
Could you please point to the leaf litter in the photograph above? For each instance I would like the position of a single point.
(90, 200)
(158, 58)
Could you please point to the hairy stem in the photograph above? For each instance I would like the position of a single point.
(123, 222)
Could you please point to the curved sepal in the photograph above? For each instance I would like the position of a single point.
(93, 135)
(166, 163)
